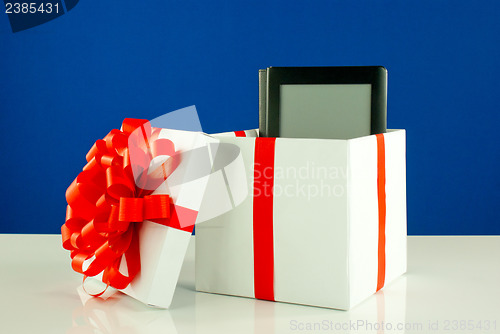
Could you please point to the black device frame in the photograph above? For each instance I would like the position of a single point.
(376, 76)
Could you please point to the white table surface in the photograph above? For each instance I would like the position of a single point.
(452, 286)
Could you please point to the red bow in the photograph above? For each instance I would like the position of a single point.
(105, 199)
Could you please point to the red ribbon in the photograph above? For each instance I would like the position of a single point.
(240, 133)
(106, 198)
(263, 216)
(381, 209)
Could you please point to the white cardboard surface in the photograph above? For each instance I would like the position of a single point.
(310, 230)
(224, 253)
(363, 217)
(162, 251)
(396, 200)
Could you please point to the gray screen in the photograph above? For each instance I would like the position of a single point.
(325, 111)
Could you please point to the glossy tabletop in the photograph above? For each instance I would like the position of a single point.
(452, 286)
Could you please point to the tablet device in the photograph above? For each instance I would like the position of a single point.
(322, 102)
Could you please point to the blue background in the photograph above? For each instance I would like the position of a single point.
(66, 83)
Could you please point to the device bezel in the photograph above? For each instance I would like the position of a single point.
(376, 76)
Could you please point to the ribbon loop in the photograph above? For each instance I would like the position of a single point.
(131, 209)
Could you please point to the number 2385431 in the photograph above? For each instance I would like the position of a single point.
(31, 8)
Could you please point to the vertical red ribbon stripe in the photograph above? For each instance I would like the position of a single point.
(381, 209)
(240, 133)
(263, 244)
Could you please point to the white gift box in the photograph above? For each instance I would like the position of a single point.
(324, 222)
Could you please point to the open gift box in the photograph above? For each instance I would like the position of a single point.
(132, 209)
(324, 222)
